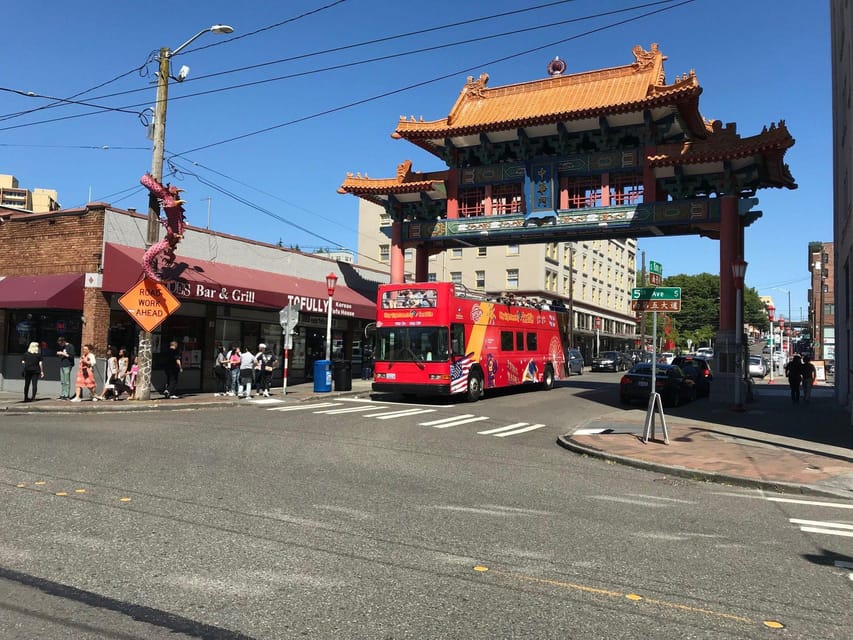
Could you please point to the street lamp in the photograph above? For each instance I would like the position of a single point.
(770, 311)
(143, 382)
(331, 281)
(738, 273)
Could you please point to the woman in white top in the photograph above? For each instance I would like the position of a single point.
(111, 373)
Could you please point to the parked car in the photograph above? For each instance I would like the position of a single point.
(609, 361)
(697, 369)
(705, 352)
(757, 368)
(670, 382)
(666, 357)
(574, 362)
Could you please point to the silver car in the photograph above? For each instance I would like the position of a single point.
(757, 368)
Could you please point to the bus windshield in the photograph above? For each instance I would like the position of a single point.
(412, 344)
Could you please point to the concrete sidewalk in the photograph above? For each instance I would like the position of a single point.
(774, 444)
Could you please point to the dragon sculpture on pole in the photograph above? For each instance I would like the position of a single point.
(161, 254)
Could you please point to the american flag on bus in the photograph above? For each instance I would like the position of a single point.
(459, 374)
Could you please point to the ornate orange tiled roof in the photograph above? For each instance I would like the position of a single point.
(725, 144)
(405, 182)
(634, 87)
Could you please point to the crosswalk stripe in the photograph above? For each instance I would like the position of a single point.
(831, 532)
(818, 523)
(442, 420)
(456, 423)
(333, 412)
(499, 429)
(517, 431)
(302, 407)
(398, 414)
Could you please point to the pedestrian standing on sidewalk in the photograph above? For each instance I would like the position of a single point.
(220, 371)
(111, 373)
(234, 370)
(33, 370)
(248, 362)
(65, 353)
(266, 364)
(86, 374)
(172, 369)
(809, 377)
(794, 373)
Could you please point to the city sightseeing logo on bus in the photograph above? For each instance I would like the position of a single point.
(476, 313)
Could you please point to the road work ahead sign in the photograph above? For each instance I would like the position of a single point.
(149, 303)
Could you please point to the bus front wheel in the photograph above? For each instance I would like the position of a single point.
(475, 386)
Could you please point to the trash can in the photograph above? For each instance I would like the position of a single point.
(322, 375)
(342, 375)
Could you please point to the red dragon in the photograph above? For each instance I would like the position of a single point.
(161, 255)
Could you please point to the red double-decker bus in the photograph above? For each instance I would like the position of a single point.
(435, 338)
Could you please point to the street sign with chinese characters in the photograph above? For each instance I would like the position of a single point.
(655, 272)
(149, 303)
(666, 299)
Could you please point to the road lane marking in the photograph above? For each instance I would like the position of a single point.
(306, 406)
(813, 503)
(828, 528)
(499, 429)
(532, 427)
(398, 414)
(443, 420)
(459, 421)
(334, 412)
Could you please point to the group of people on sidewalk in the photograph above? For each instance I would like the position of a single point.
(800, 372)
(238, 371)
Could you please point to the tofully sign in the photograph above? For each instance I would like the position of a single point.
(656, 299)
(149, 303)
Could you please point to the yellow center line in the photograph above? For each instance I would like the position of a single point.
(630, 596)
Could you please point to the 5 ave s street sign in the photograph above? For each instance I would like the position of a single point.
(656, 293)
(656, 299)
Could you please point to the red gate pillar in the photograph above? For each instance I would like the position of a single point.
(731, 247)
(398, 266)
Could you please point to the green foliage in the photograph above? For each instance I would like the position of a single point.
(700, 309)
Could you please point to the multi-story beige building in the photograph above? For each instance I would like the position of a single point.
(37, 200)
(593, 278)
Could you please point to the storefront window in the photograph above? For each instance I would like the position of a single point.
(44, 327)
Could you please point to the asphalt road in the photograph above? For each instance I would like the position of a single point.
(358, 519)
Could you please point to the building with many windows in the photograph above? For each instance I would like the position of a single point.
(822, 299)
(13, 196)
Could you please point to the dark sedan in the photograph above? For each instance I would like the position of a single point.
(697, 369)
(670, 382)
(609, 361)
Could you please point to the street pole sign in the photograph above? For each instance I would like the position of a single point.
(656, 299)
(655, 272)
(288, 318)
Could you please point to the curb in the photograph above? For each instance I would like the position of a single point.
(707, 476)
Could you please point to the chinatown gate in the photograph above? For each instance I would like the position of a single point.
(612, 153)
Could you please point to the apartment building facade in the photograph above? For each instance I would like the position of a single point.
(36, 200)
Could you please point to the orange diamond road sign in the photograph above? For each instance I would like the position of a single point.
(149, 303)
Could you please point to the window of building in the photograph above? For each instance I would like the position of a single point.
(409, 254)
(480, 277)
(472, 202)
(626, 188)
(43, 326)
(481, 252)
(512, 250)
(456, 277)
(507, 198)
(431, 277)
(384, 252)
(512, 278)
(456, 253)
(584, 192)
(384, 219)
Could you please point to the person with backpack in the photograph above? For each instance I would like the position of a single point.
(794, 373)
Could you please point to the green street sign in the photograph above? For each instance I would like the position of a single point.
(655, 267)
(656, 293)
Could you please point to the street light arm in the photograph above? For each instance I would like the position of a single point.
(217, 28)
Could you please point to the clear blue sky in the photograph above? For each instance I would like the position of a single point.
(302, 121)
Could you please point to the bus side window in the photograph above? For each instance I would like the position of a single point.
(457, 339)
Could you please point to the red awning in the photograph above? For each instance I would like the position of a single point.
(203, 281)
(58, 291)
